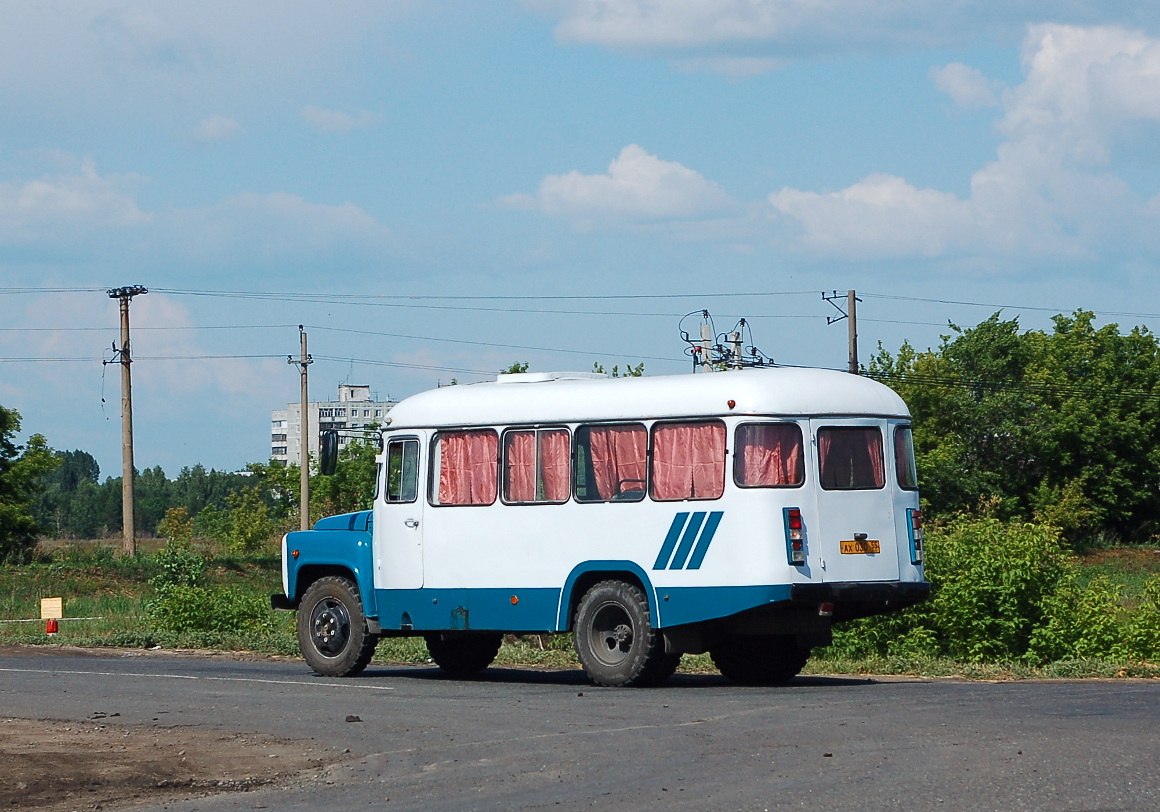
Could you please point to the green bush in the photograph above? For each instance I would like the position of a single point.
(992, 586)
(185, 608)
(1143, 626)
(185, 602)
(1082, 623)
(179, 565)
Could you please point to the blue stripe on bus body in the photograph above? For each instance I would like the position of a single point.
(706, 539)
(491, 609)
(687, 539)
(670, 541)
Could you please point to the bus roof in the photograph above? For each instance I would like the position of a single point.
(544, 398)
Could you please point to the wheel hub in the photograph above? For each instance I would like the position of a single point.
(331, 627)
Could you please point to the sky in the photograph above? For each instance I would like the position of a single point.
(437, 190)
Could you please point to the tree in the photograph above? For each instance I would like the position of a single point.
(1057, 426)
(630, 371)
(56, 503)
(352, 487)
(22, 473)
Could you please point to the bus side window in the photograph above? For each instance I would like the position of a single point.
(536, 466)
(464, 467)
(904, 468)
(769, 455)
(610, 462)
(688, 461)
(402, 471)
(850, 458)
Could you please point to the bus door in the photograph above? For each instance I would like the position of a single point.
(855, 538)
(398, 530)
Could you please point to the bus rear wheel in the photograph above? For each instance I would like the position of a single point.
(462, 654)
(332, 629)
(759, 660)
(615, 640)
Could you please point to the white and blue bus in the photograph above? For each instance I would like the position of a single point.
(739, 513)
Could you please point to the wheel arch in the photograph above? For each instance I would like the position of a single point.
(313, 554)
(584, 576)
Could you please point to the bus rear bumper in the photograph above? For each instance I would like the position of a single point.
(854, 599)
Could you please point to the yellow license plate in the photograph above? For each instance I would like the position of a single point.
(860, 547)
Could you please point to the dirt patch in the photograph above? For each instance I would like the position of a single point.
(1146, 560)
(100, 765)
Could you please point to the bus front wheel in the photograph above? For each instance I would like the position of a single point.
(332, 629)
(615, 640)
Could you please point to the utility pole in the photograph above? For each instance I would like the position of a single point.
(123, 357)
(850, 313)
(304, 360)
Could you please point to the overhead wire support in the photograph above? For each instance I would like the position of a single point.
(124, 357)
(850, 313)
(303, 361)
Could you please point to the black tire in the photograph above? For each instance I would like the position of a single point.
(332, 629)
(759, 660)
(462, 654)
(615, 640)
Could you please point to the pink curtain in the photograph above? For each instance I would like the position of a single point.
(467, 467)
(688, 461)
(851, 458)
(769, 455)
(519, 456)
(536, 465)
(555, 464)
(617, 456)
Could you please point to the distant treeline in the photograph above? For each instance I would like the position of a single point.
(75, 503)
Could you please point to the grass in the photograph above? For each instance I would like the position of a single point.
(97, 582)
(1130, 567)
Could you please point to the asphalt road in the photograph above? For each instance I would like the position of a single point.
(547, 740)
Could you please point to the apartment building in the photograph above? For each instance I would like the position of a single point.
(354, 410)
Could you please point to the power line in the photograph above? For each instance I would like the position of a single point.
(588, 353)
(1040, 308)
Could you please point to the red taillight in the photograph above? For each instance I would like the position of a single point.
(916, 551)
(795, 539)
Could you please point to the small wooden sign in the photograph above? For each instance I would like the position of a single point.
(51, 608)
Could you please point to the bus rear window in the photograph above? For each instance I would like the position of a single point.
(536, 465)
(769, 455)
(467, 472)
(904, 459)
(688, 461)
(610, 463)
(850, 458)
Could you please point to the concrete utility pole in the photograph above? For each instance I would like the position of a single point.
(125, 358)
(303, 362)
(850, 313)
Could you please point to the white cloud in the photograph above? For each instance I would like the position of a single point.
(880, 215)
(270, 229)
(336, 121)
(215, 128)
(1050, 194)
(966, 86)
(638, 186)
(795, 28)
(63, 206)
(209, 50)
(93, 218)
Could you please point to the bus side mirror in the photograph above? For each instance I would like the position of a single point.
(328, 453)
